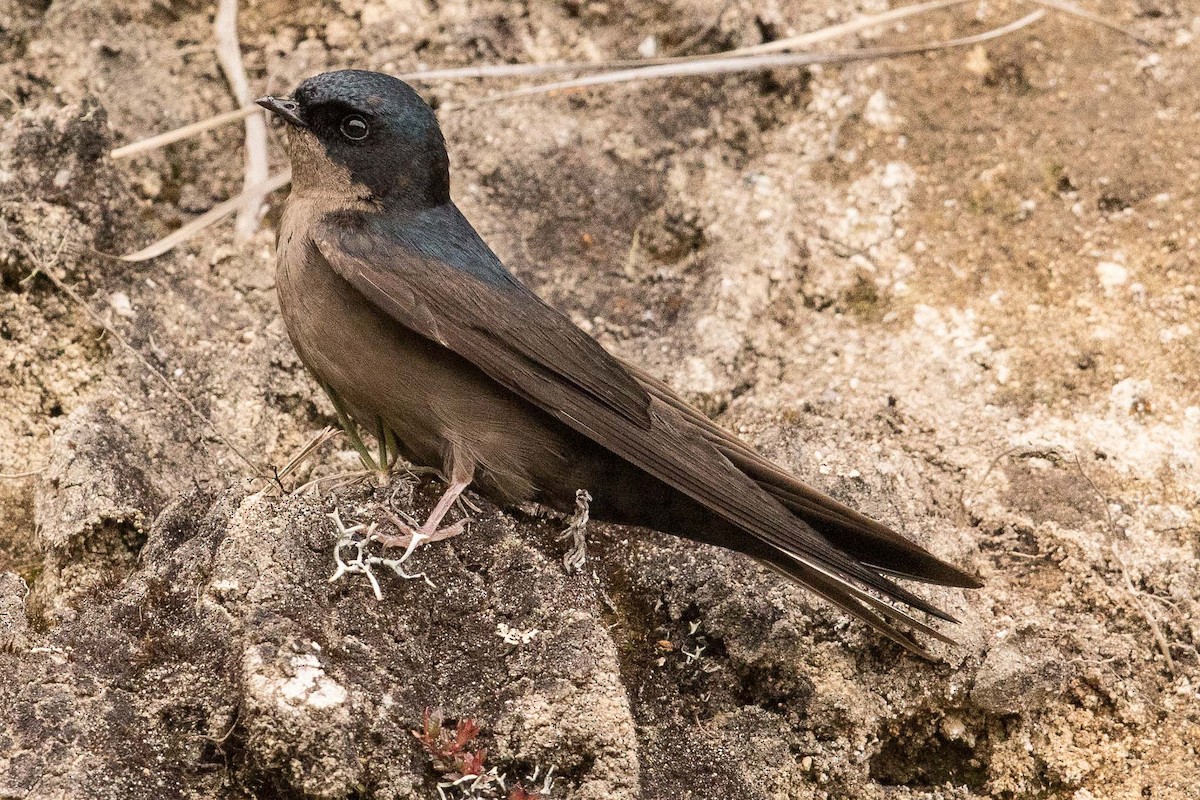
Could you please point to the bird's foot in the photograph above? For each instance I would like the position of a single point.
(411, 538)
(576, 557)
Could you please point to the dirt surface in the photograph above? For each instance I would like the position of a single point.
(959, 292)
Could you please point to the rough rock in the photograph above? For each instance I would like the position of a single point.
(957, 292)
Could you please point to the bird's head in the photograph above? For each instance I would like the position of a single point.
(366, 135)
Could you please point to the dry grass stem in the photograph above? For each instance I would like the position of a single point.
(213, 215)
(311, 446)
(839, 30)
(15, 476)
(186, 132)
(725, 65)
(1089, 16)
(756, 57)
(229, 53)
(1134, 595)
(705, 66)
(536, 70)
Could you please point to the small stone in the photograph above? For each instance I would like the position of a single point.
(1111, 275)
(192, 200)
(878, 112)
(977, 62)
(120, 303)
(151, 185)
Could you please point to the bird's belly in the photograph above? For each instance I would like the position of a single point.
(440, 406)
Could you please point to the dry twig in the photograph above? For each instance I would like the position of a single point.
(213, 215)
(1156, 631)
(1135, 595)
(754, 57)
(1088, 16)
(14, 476)
(844, 28)
(702, 66)
(186, 132)
(301, 455)
(725, 65)
(535, 70)
(229, 53)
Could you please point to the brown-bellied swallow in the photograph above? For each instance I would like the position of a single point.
(419, 333)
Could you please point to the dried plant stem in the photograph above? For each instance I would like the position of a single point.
(840, 30)
(716, 66)
(1151, 621)
(1088, 16)
(213, 215)
(229, 53)
(311, 446)
(1134, 595)
(186, 132)
(699, 67)
(534, 70)
(537, 70)
(14, 476)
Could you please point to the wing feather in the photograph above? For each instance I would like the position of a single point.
(536, 352)
(867, 540)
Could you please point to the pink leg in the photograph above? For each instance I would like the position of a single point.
(411, 538)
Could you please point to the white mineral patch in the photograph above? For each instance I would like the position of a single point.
(309, 685)
(1129, 393)
(1168, 335)
(120, 303)
(1111, 275)
(878, 112)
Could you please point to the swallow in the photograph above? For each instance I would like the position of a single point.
(420, 334)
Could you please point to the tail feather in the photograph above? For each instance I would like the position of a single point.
(859, 604)
(871, 542)
(868, 551)
(862, 537)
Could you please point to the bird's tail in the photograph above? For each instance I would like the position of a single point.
(871, 543)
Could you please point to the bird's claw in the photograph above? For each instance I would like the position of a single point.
(411, 538)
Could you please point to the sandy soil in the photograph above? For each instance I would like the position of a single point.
(956, 291)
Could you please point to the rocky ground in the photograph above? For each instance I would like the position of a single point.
(956, 291)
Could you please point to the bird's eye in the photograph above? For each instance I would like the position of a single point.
(355, 127)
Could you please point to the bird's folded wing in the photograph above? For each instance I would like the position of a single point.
(536, 352)
(518, 333)
(862, 537)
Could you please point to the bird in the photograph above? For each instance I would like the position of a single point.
(421, 335)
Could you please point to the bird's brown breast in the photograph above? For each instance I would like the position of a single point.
(442, 408)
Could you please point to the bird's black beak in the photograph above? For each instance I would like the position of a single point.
(283, 107)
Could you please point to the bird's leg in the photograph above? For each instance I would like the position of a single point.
(576, 557)
(410, 538)
(393, 444)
